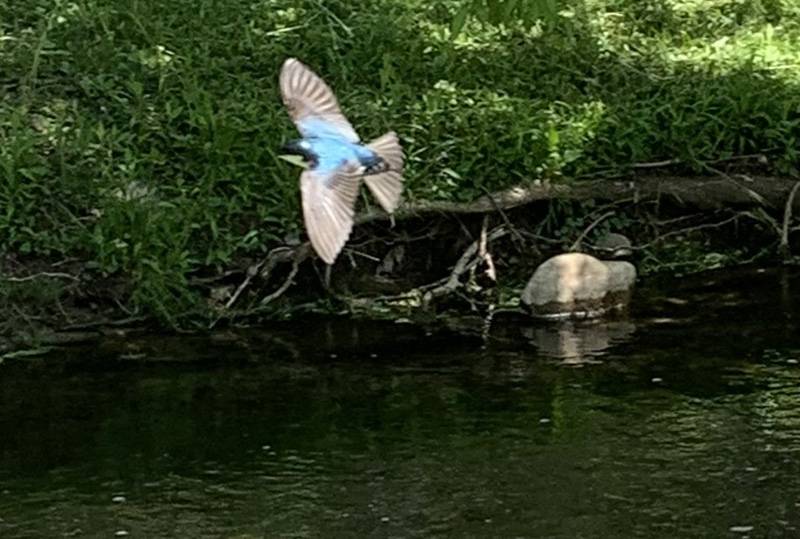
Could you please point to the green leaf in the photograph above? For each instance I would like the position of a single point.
(508, 9)
(459, 20)
(552, 138)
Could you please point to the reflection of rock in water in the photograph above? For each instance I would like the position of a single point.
(579, 342)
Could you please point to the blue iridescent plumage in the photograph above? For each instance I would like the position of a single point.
(330, 153)
(336, 160)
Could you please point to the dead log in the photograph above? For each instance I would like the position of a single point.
(701, 192)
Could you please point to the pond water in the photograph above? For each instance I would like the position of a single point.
(682, 420)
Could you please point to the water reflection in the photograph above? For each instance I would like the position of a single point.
(579, 342)
(361, 430)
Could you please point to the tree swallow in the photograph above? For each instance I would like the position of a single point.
(336, 161)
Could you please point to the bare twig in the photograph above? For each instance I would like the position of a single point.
(674, 220)
(689, 229)
(286, 283)
(750, 192)
(576, 245)
(482, 240)
(677, 161)
(467, 261)
(252, 271)
(354, 252)
(214, 278)
(783, 247)
(123, 322)
(505, 218)
(65, 261)
(658, 164)
(266, 267)
(395, 238)
(483, 251)
(48, 274)
(326, 278)
(491, 272)
(763, 217)
(744, 157)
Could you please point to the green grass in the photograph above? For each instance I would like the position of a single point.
(140, 136)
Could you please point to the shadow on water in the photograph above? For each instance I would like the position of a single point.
(681, 420)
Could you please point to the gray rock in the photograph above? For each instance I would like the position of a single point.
(576, 285)
(613, 245)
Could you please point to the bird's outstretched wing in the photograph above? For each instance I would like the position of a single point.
(328, 202)
(387, 186)
(312, 104)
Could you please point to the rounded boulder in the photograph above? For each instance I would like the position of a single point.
(577, 285)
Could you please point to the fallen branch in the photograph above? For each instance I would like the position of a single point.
(265, 268)
(300, 255)
(468, 260)
(252, 271)
(705, 193)
(718, 192)
(483, 251)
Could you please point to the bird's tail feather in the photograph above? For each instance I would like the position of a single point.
(386, 186)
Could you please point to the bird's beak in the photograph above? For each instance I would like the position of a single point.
(292, 154)
(294, 159)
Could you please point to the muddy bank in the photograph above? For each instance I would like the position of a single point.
(720, 299)
(428, 264)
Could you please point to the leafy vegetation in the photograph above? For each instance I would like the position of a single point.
(140, 137)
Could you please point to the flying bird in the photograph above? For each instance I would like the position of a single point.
(336, 160)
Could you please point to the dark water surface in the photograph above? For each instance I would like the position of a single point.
(681, 421)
